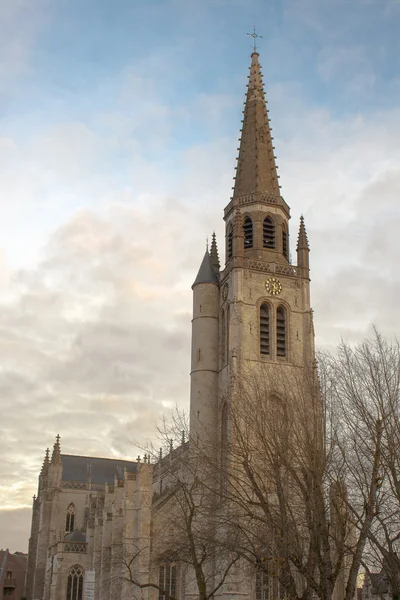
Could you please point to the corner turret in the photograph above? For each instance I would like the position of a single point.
(204, 364)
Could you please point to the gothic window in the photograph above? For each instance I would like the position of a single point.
(264, 328)
(167, 582)
(285, 246)
(75, 583)
(248, 233)
(230, 242)
(70, 520)
(281, 331)
(268, 233)
(262, 585)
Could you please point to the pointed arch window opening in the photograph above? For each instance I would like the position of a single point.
(281, 332)
(75, 583)
(285, 245)
(70, 519)
(264, 329)
(248, 233)
(269, 234)
(230, 243)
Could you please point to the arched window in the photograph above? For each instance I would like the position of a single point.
(248, 233)
(167, 581)
(281, 331)
(70, 520)
(75, 583)
(285, 245)
(268, 233)
(264, 328)
(230, 242)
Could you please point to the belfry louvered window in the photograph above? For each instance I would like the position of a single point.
(75, 583)
(230, 243)
(70, 520)
(285, 248)
(281, 331)
(268, 233)
(248, 233)
(264, 328)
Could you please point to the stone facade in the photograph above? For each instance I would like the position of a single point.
(255, 313)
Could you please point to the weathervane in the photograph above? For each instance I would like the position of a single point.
(254, 36)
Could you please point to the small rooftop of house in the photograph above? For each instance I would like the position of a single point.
(82, 469)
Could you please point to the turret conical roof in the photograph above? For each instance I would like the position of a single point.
(256, 168)
(206, 272)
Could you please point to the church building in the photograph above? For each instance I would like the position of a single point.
(90, 514)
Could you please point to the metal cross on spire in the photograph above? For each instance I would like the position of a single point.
(254, 36)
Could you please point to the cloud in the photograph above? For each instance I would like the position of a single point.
(104, 218)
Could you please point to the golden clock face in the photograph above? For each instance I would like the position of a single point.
(273, 286)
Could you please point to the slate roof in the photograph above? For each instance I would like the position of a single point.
(206, 272)
(100, 470)
(76, 536)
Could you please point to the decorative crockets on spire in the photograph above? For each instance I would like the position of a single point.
(46, 462)
(214, 253)
(302, 240)
(256, 169)
(303, 249)
(56, 456)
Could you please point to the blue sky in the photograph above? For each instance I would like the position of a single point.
(118, 134)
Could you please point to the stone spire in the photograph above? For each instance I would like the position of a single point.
(256, 169)
(214, 253)
(302, 240)
(56, 456)
(303, 250)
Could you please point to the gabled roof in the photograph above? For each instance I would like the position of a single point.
(99, 470)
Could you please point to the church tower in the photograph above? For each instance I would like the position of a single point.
(255, 312)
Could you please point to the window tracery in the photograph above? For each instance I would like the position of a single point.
(167, 581)
(75, 583)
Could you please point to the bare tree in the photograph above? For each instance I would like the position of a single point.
(288, 483)
(364, 392)
(184, 520)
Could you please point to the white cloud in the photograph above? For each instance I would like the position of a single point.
(95, 325)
